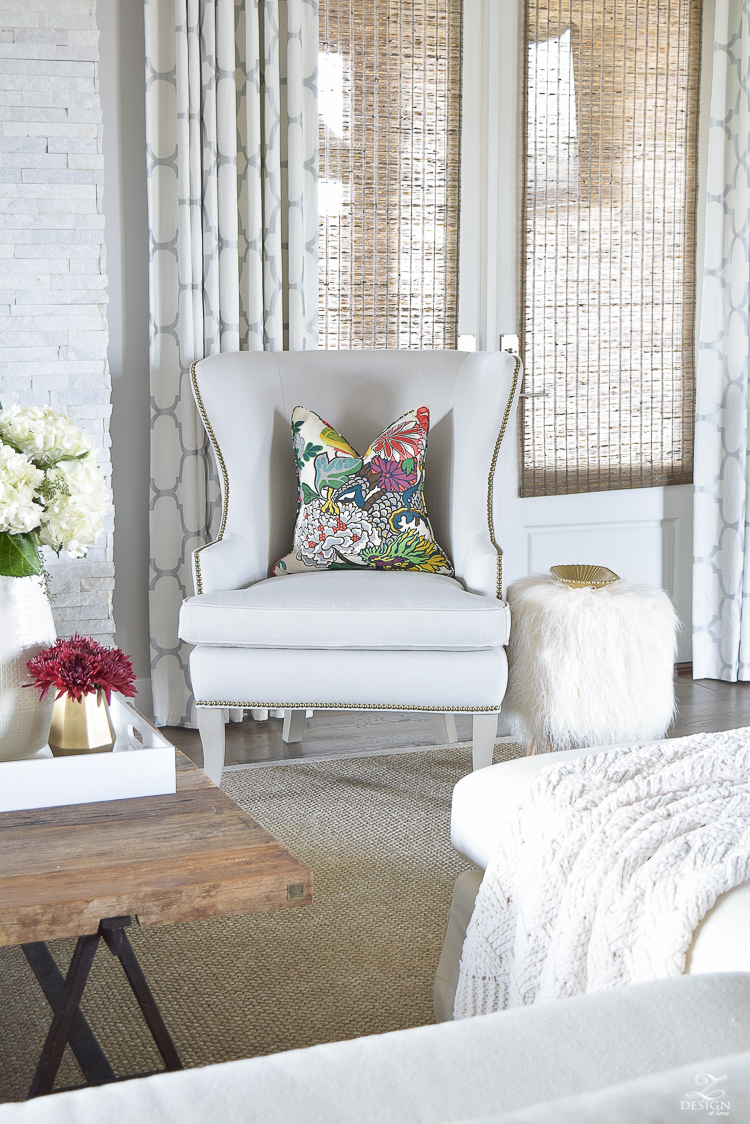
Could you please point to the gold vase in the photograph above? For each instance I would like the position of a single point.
(81, 727)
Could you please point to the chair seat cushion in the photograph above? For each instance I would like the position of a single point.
(357, 609)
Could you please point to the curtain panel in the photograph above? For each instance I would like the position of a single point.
(721, 545)
(232, 168)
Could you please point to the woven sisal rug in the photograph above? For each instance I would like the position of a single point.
(361, 960)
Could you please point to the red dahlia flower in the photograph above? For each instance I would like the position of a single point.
(81, 666)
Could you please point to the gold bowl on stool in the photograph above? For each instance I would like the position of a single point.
(580, 576)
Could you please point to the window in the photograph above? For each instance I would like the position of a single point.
(608, 243)
(389, 95)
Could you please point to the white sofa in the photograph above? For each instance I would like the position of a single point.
(483, 801)
(628, 1056)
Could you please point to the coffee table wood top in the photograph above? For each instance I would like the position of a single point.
(183, 857)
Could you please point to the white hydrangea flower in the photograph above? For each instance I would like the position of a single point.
(75, 508)
(19, 482)
(42, 433)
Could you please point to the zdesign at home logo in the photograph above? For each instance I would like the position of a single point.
(707, 1096)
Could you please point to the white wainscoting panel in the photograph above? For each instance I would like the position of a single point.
(645, 550)
(633, 550)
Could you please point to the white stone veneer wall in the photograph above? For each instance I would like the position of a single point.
(53, 327)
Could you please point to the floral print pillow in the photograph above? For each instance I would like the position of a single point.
(362, 511)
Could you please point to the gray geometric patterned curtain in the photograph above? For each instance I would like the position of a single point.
(232, 167)
(721, 505)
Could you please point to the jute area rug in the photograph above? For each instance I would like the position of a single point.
(360, 960)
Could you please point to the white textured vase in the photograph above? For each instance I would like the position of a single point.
(26, 627)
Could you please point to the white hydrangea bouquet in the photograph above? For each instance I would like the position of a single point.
(52, 492)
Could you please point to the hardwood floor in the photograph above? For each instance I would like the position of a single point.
(705, 704)
(708, 704)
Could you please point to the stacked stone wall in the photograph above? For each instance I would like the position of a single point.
(53, 324)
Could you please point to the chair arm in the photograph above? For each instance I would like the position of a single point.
(479, 567)
(224, 564)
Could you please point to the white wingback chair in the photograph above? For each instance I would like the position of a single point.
(359, 639)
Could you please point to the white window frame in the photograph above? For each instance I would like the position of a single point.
(490, 160)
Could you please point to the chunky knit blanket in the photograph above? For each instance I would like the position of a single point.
(606, 869)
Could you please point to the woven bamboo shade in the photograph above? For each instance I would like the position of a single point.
(390, 100)
(609, 243)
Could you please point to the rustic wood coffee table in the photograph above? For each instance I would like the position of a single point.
(86, 870)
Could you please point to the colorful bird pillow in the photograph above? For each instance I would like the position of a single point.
(362, 511)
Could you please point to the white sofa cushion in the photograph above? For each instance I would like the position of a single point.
(661, 1098)
(435, 1074)
(366, 609)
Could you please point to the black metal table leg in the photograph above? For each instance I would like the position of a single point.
(88, 1053)
(113, 931)
(69, 1024)
(62, 1022)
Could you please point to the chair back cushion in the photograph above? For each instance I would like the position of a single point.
(246, 399)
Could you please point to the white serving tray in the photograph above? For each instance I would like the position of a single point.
(135, 767)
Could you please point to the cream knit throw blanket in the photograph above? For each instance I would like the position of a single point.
(606, 869)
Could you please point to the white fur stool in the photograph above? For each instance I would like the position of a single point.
(589, 666)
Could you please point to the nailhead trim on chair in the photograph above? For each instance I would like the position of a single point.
(347, 706)
(196, 563)
(491, 480)
(224, 473)
(225, 510)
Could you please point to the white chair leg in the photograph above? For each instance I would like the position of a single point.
(484, 731)
(293, 729)
(211, 728)
(444, 728)
(260, 713)
(235, 713)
